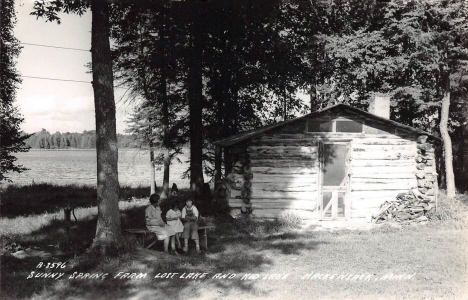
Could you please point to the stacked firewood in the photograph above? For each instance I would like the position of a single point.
(246, 189)
(238, 184)
(415, 204)
(426, 174)
(408, 207)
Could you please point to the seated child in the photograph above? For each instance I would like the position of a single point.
(155, 223)
(173, 216)
(190, 217)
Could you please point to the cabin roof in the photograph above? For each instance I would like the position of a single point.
(242, 136)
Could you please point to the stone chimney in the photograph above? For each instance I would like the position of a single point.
(380, 106)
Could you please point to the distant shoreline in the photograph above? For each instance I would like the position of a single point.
(81, 149)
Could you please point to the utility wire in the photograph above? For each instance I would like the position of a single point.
(68, 80)
(56, 47)
(55, 79)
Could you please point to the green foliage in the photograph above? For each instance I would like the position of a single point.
(85, 140)
(449, 209)
(11, 137)
(414, 51)
(147, 62)
(40, 198)
(251, 57)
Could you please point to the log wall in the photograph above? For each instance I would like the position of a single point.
(381, 168)
(283, 170)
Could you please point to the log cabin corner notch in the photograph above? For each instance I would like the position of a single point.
(337, 163)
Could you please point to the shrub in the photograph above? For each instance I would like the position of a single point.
(448, 209)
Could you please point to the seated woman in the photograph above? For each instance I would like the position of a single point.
(155, 224)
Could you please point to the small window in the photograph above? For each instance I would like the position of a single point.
(348, 126)
(319, 126)
(338, 125)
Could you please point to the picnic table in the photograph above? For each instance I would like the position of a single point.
(144, 232)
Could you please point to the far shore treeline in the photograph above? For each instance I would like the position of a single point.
(84, 140)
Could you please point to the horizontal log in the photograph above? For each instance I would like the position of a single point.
(234, 177)
(356, 201)
(385, 175)
(248, 176)
(369, 203)
(381, 163)
(420, 159)
(286, 184)
(277, 204)
(296, 155)
(396, 181)
(429, 169)
(271, 187)
(400, 155)
(235, 194)
(425, 146)
(356, 171)
(389, 148)
(293, 178)
(281, 170)
(277, 213)
(270, 137)
(422, 139)
(381, 187)
(283, 195)
(429, 152)
(307, 141)
(376, 194)
(381, 141)
(420, 166)
(282, 149)
(334, 135)
(285, 163)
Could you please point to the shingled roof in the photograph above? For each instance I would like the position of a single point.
(240, 137)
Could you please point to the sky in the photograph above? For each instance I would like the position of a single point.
(53, 105)
(57, 105)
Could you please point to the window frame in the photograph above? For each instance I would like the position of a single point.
(333, 125)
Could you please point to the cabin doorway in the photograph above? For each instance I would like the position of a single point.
(334, 180)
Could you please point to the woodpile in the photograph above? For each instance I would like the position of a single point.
(408, 207)
(238, 184)
(414, 205)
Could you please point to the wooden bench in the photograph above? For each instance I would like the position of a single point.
(145, 232)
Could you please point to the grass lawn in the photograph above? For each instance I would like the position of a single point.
(431, 262)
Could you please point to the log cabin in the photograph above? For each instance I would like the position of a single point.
(339, 163)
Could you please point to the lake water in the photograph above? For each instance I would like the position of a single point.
(64, 167)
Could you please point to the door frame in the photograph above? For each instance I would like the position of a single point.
(334, 190)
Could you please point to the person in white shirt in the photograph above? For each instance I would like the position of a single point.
(173, 216)
(155, 223)
(190, 218)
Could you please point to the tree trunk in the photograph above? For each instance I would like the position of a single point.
(152, 172)
(167, 164)
(227, 162)
(313, 98)
(285, 107)
(108, 229)
(464, 146)
(218, 161)
(195, 98)
(165, 111)
(449, 176)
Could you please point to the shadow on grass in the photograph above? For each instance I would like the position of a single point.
(233, 250)
(41, 198)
